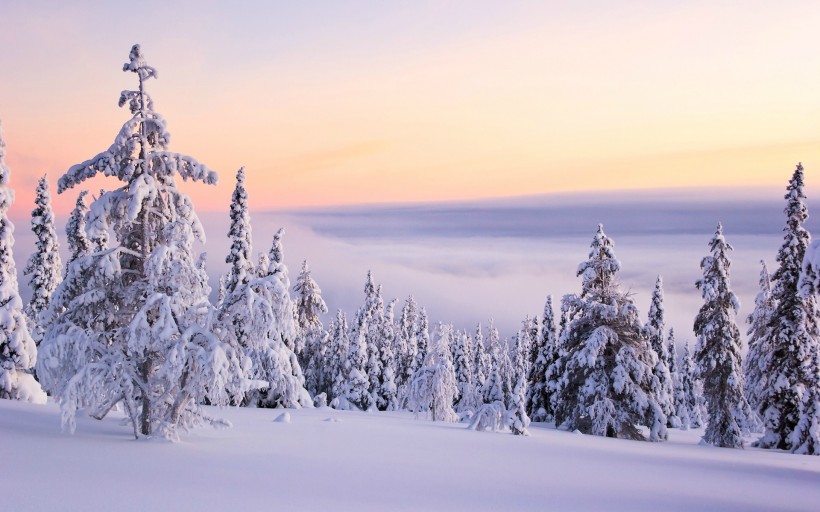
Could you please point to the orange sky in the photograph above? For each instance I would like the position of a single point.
(369, 102)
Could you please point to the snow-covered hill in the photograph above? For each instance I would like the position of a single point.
(324, 459)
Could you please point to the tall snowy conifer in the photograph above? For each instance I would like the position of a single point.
(44, 266)
(405, 343)
(607, 387)
(542, 355)
(792, 331)
(239, 258)
(433, 387)
(691, 389)
(467, 398)
(18, 352)
(718, 349)
(759, 324)
(679, 403)
(139, 331)
(309, 308)
(664, 388)
(337, 368)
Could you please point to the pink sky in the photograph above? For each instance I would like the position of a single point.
(336, 103)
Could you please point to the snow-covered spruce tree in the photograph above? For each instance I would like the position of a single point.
(272, 351)
(718, 350)
(664, 388)
(132, 323)
(422, 338)
(78, 243)
(691, 389)
(18, 352)
(607, 387)
(337, 361)
(375, 326)
(239, 259)
(519, 420)
(792, 332)
(433, 387)
(405, 343)
(759, 321)
(388, 392)
(468, 398)
(309, 308)
(542, 354)
(805, 438)
(679, 402)
(356, 380)
(44, 266)
(481, 360)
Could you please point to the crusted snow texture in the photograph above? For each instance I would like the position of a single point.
(18, 352)
(542, 355)
(607, 385)
(131, 324)
(44, 266)
(792, 332)
(718, 350)
(433, 388)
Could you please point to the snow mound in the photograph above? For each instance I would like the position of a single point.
(29, 390)
(333, 420)
(283, 418)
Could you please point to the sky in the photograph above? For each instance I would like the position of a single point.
(330, 103)
(462, 151)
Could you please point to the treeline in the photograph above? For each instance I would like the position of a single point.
(128, 324)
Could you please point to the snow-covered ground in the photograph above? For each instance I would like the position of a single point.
(332, 460)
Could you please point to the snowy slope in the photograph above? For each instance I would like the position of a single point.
(380, 461)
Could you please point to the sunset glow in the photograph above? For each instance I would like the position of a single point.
(327, 104)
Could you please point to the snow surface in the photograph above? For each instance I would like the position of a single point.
(381, 461)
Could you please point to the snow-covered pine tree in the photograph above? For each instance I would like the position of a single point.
(805, 438)
(405, 343)
(422, 337)
(481, 359)
(792, 331)
(678, 395)
(655, 325)
(519, 420)
(433, 387)
(467, 398)
(758, 332)
(388, 392)
(44, 266)
(375, 327)
(718, 349)
(239, 258)
(357, 382)
(606, 387)
(134, 324)
(78, 243)
(542, 354)
(18, 352)
(691, 389)
(309, 308)
(275, 357)
(337, 361)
